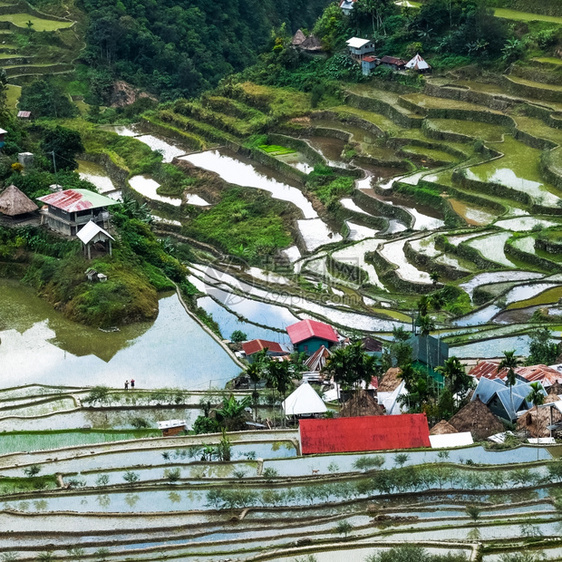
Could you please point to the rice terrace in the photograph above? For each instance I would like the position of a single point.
(196, 244)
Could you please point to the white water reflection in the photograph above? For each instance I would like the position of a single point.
(498, 277)
(393, 252)
(237, 172)
(96, 175)
(174, 347)
(147, 187)
(168, 151)
(359, 232)
(316, 233)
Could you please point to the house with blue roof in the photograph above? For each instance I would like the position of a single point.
(503, 402)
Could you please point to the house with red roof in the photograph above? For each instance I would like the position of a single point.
(309, 336)
(547, 376)
(274, 349)
(365, 433)
(70, 210)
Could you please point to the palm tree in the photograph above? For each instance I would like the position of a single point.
(455, 377)
(509, 362)
(350, 364)
(255, 372)
(279, 375)
(536, 395)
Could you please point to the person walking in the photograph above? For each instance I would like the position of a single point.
(126, 385)
(132, 383)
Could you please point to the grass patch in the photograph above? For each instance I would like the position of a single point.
(275, 150)
(546, 297)
(248, 224)
(41, 440)
(39, 24)
(514, 15)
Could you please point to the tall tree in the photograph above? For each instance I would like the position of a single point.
(279, 374)
(350, 364)
(542, 348)
(456, 378)
(536, 395)
(509, 362)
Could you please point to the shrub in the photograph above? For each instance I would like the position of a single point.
(131, 477)
(32, 470)
(270, 472)
(172, 474)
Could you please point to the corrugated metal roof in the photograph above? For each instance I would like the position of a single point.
(393, 60)
(73, 200)
(540, 373)
(24, 114)
(532, 373)
(86, 233)
(366, 433)
(357, 42)
(306, 329)
(317, 360)
(253, 346)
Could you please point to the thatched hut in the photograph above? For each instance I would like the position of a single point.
(477, 418)
(361, 404)
(536, 421)
(442, 428)
(390, 380)
(14, 203)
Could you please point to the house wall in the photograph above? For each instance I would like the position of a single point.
(312, 345)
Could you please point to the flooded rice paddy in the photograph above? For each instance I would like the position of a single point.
(184, 356)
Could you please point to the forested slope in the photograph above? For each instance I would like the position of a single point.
(182, 48)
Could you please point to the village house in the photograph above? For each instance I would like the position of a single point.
(418, 64)
(393, 62)
(346, 6)
(428, 353)
(68, 211)
(368, 64)
(169, 428)
(308, 336)
(502, 400)
(16, 207)
(272, 349)
(304, 402)
(366, 433)
(2, 137)
(309, 44)
(358, 48)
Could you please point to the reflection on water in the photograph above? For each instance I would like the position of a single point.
(95, 174)
(236, 170)
(40, 346)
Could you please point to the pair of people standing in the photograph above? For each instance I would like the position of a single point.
(132, 383)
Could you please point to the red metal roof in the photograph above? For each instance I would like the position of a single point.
(68, 200)
(540, 373)
(393, 60)
(488, 370)
(306, 329)
(533, 373)
(369, 59)
(251, 347)
(366, 433)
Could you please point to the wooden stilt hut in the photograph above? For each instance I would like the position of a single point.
(477, 418)
(16, 205)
